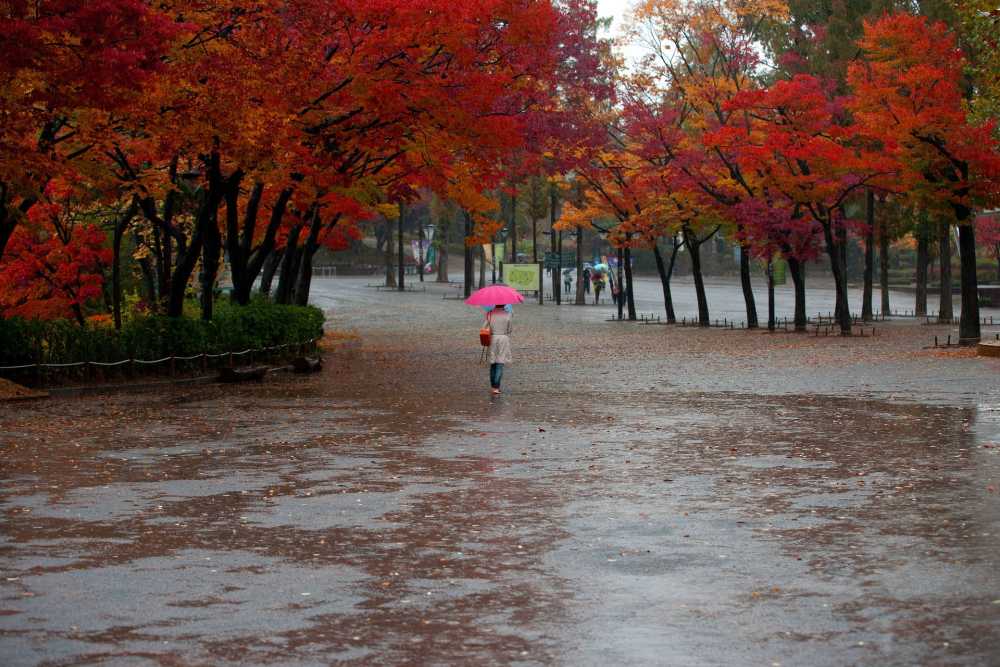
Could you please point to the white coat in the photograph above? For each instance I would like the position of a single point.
(500, 330)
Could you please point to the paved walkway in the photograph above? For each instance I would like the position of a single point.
(638, 495)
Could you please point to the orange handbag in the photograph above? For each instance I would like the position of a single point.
(485, 335)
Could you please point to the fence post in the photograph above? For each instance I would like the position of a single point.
(204, 362)
(38, 375)
(173, 366)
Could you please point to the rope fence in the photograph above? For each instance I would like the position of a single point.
(41, 373)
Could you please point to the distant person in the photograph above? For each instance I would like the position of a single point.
(586, 280)
(567, 281)
(598, 281)
(499, 322)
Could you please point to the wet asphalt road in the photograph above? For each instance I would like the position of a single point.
(640, 495)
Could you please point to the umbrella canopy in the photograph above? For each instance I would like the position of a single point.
(494, 295)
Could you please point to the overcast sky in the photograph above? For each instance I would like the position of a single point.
(617, 9)
(614, 8)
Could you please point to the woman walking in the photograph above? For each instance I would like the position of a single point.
(498, 320)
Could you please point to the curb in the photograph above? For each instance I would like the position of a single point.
(70, 392)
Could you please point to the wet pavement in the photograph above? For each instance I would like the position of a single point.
(639, 494)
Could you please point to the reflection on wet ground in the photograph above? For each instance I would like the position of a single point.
(389, 511)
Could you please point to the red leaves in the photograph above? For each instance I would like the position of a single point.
(47, 278)
(908, 94)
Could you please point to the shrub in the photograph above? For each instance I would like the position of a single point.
(234, 328)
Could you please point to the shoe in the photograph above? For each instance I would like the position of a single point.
(495, 391)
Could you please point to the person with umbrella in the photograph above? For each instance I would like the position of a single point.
(498, 322)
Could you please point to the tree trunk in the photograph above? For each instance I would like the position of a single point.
(618, 286)
(629, 293)
(482, 267)
(841, 260)
(579, 298)
(289, 266)
(211, 254)
(270, 267)
(238, 257)
(883, 263)
(797, 269)
(187, 258)
(945, 310)
(443, 236)
(664, 272)
(469, 266)
(304, 281)
(866, 298)
(968, 329)
(748, 298)
(534, 240)
(694, 249)
(420, 251)
(513, 228)
(390, 275)
(833, 251)
(770, 295)
(116, 268)
(920, 307)
(265, 251)
(400, 255)
(219, 190)
(556, 277)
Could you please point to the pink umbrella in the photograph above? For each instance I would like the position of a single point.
(494, 295)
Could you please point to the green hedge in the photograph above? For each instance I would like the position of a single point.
(233, 329)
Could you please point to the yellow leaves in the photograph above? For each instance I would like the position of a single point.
(388, 211)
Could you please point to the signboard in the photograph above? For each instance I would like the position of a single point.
(428, 256)
(523, 277)
(553, 260)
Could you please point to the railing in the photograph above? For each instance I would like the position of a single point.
(41, 373)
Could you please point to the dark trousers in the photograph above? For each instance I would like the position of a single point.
(496, 373)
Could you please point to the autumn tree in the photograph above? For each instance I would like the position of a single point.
(908, 94)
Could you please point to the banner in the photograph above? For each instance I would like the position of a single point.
(522, 277)
(429, 253)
